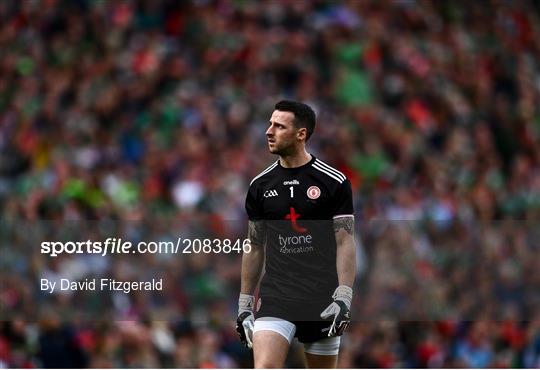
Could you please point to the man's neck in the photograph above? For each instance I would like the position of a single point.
(295, 160)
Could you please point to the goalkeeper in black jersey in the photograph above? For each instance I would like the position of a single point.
(301, 223)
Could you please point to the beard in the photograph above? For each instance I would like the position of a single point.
(282, 150)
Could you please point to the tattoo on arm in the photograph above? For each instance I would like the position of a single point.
(256, 232)
(346, 223)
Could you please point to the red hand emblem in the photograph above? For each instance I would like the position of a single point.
(293, 217)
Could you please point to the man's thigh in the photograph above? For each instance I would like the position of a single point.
(320, 361)
(271, 340)
(322, 353)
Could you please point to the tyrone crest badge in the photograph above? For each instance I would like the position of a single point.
(313, 192)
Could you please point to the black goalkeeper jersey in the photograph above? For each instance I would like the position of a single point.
(298, 206)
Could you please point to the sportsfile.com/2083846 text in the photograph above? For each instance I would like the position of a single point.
(119, 246)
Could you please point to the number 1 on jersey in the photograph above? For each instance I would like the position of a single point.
(292, 191)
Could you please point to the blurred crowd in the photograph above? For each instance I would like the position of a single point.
(154, 112)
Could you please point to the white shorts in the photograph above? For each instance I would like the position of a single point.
(324, 347)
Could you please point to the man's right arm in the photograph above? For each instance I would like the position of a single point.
(252, 265)
(252, 262)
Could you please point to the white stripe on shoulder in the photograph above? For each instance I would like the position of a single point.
(338, 179)
(268, 169)
(331, 169)
(340, 216)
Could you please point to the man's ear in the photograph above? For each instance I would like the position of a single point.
(301, 134)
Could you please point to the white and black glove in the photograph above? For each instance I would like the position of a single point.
(340, 309)
(245, 320)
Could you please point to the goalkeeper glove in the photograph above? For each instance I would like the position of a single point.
(245, 320)
(340, 309)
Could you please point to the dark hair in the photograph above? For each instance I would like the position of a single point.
(304, 116)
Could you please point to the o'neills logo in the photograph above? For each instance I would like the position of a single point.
(291, 182)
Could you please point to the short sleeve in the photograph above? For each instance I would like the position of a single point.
(253, 206)
(343, 200)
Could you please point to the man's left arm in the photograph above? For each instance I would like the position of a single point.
(340, 309)
(346, 251)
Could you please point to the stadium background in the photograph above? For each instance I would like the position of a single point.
(152, 111)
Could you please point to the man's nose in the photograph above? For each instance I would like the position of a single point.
(270, 131)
